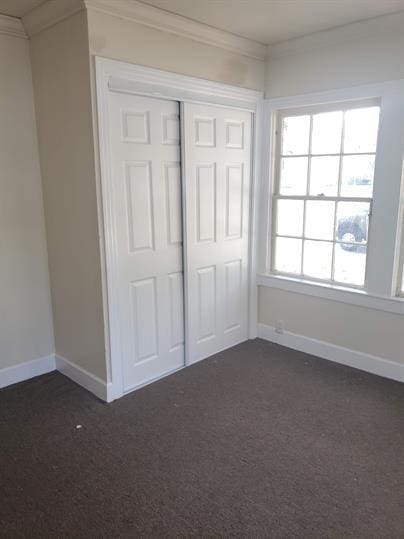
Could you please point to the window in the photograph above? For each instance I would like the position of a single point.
(324, 169)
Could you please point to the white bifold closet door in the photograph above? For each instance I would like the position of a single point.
(146, 199)
(217, 154)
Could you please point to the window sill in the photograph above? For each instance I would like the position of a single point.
(351, 296)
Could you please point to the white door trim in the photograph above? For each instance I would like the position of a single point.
(129, 78)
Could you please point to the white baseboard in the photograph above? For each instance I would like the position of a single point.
(27, 370)
(89, 381)
(43, 365)
(332, 352)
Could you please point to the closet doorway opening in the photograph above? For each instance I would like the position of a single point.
(177, 179)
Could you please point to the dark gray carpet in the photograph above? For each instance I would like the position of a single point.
(258, 441)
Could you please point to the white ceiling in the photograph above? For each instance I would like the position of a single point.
(274, 21)
(265, 21)
(18, 8)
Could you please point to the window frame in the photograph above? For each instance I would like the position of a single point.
(383, 257)
(311, 110)
(400, 272)
(400, 280)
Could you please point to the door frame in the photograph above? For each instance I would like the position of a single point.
(113, 75)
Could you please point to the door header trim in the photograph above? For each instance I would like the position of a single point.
(128, 78)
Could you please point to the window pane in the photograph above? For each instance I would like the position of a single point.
(357, 175)
(352, 223)
(325, 159)
(319, 220)
(317, 260)
(293, 176)
(350, 265)
(360, 132)
(288, 255)
(289, 218)
(295, 135)
(327, 130)
(324, 176)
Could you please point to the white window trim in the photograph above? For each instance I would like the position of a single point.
(400, 246)
(383, 254)
(276, 195)
(334, 292)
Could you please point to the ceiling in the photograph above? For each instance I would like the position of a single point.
(18, 8)
(265, 21)
(274, 21)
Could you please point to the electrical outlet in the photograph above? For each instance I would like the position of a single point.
(279, 326)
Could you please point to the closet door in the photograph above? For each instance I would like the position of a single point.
(145, 147)
(217, 143)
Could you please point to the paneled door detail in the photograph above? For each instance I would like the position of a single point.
(146, 172)
(217, 197)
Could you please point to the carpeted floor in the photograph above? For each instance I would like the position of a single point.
(258, 441)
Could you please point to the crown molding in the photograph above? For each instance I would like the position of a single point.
(367, 29)
(11, 26)
(49, 14)
(147, 15)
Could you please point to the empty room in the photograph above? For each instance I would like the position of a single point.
(202, 268)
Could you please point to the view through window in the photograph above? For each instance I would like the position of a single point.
(323, 193)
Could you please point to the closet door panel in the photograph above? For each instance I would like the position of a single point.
(217, 144)
(146, 172)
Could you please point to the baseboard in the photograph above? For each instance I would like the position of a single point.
(332, 352)
(43, 365)
(27, 370)
(89, 381)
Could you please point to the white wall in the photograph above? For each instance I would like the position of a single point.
(370, 331)
(129, 41)
(61, 73)
(25, 309)
(62, 59)
(362, 53)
